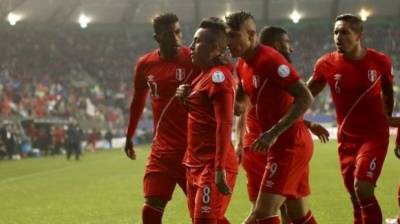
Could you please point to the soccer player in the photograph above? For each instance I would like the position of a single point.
(279, 100)
(210, 157)
(252, 162)
(160, 72)
(360, 81)
(395, 122)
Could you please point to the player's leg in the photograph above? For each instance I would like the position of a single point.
(158, 191)
(347, 156)
(297, 171)
(159, 184)
(210, 205)
(69, 150)
(398, 201)
(299, 211)
(266, 209)
(369, 164)
(254, 165)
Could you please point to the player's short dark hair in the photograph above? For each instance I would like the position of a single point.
(271, 34)
(355, 22)
(163, 20)
(236, 19)
(213, 23)
(218, 29)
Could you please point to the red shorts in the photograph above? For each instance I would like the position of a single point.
(288, 167)
(362, 158)
(161, 176)
(254, 165)
(204, 199)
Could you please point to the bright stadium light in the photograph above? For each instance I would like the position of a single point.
(364, 14)
(84, 20)
(13, 18)
(295, 16)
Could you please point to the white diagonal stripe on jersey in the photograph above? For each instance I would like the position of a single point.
(258, 97)
(355, 104)
(167, 106)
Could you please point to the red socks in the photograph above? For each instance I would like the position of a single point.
(307, 219)
(269, 220)
(151, 215)
(370, 211)
(357, 214)
(223, 221)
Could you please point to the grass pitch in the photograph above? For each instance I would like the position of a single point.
(106, 187)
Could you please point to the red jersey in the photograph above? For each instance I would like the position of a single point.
(162, 77)
(265, 79)
(253, 128)
(398, 136)
(210, 104)
(356, 91)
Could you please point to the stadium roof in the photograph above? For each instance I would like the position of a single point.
(142, 11)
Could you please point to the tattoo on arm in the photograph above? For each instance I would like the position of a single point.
(315, 87)
(302, 100)
(387, 96)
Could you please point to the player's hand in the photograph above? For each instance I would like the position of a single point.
(264, 142)
(129, 150)
(182, 92)
(397, 151)
(319, 131)
(239, 109)
(239, 152)
(394, 121)
(220, 181)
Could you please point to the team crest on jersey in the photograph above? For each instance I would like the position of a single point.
(372, 74)
(283, 71)
(337, 77)
(256, 81)
(180, 74)
(218, 77)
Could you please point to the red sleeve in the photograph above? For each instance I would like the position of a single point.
(398, 136)
(223, 110)
(221, 81)
(281, 72)
(140, 91)
(319, 71)
(222, 94)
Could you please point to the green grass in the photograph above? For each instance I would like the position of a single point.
(106, 187)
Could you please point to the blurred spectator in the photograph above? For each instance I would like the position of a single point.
(73, 140)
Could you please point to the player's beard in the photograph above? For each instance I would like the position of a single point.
(170, 51)
(287, 56)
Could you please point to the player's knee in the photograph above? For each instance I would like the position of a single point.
(156, 202)
(262, 212)
(363, 189)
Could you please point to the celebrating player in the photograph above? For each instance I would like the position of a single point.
(360, 82)
(160, 72)
(279, 100)
(252, 162)
(210, 158)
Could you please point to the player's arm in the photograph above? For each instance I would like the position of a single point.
(140, 92)
(241, 109)
(315, 86)
(318, 130)
(397, 146)
(387, 96)
(223, 110)
(302, 100)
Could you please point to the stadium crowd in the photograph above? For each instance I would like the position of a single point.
(86, 74)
